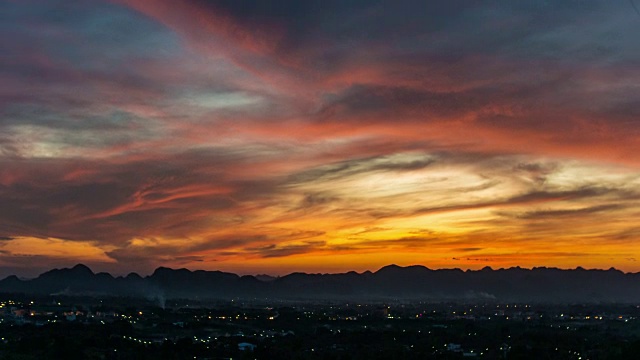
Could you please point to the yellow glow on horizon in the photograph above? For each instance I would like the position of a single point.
(56, 248)
(375, 212)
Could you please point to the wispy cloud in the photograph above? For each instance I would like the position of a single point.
(305, 135)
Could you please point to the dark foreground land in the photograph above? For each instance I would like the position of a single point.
(124, 328)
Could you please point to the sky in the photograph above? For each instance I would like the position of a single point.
(321, 136)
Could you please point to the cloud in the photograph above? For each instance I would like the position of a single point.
(471, 249)
(156, 195)
(274, 251)
(552, 214)
(247, 132)
(352, 167)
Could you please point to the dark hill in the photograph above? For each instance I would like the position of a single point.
(390, 282)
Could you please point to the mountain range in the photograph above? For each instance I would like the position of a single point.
(389, 283)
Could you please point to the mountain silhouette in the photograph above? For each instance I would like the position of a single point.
(391, 282)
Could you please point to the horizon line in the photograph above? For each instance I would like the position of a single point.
(485, 268)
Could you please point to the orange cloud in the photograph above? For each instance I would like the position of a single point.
(272, 138)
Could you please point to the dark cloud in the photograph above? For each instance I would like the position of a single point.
(116, 202)
(371, 230)
(290, 25)
(532, 197)
(354, 167)
(403, 103)
(273, 250)
(536, 171)
(221, 243)
(315, 199)
(470, 249)
(479, 259)
(410, 242)
(188, 259)
(148, 258)
(630, 234)
(581, 193)
(551, 214)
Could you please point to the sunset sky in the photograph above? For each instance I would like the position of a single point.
(320, 136)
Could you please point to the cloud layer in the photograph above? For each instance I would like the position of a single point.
(275, 136)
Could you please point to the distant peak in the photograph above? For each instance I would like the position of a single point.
(161, 269)
(133, 276)
(264, 277)
(165, 270)
(104, 275)
(11, 278)
(390, 267)
(81, 268)
(412, 269)
(420, 267)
